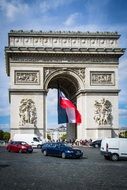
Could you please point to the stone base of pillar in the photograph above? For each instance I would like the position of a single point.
(71, 132)
(101, 132)
(28, 130)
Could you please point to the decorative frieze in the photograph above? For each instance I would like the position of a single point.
(27, 112)
(102, 78)
(103, 112)
(63, 58)
(59, 41)
(27, 77)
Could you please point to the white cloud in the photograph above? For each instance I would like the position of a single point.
(72, 19)
(48, 5)
(13, 8)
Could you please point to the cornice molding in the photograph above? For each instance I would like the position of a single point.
(63, 33)
(28, 90)
(98, 91)
(102, 128)
(64, 50)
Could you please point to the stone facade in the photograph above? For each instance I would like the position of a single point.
(86, 66)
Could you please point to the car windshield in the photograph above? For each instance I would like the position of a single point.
(56, 145)
(65, 145)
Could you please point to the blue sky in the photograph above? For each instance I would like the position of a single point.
(73, 15)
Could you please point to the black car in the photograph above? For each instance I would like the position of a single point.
(61, 150)
(96, 144)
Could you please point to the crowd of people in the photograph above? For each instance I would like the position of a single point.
(75, 142)
(81, 142)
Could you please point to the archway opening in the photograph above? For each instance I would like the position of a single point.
(69, 86)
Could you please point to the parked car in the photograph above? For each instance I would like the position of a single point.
(31, 139)
(61, 150)
(114, 148)
(19, 146)
(96, 144)
(2, 143)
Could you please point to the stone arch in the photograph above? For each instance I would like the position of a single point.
(70, 82)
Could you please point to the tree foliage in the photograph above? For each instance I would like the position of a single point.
(48, 137)
(1, 135)
(4, 135)
(64, 137)
(123, 134)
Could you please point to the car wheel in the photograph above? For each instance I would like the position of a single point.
(30, 151)
(96, 146)
(63, 155)
(81, 156)
(114, 157)
(9, 150)
(20, 151)
(45, 153)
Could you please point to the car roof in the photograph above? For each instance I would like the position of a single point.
(17, 142)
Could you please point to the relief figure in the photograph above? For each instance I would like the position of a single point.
(27, 112)
(103, 112)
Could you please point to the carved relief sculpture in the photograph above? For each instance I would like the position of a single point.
(28, 77)
(103, 111)
(27, 112)
(103, 78)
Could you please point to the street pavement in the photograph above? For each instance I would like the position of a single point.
(20, 171)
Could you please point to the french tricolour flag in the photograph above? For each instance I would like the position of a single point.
(67, 112)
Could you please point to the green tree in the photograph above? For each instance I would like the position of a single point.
(123, 134)
(1, 135)
(48, 137)
(64, 137)
(6, 136)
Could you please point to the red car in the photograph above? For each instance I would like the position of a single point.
(19, 146)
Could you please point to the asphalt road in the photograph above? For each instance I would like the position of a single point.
(34, 171)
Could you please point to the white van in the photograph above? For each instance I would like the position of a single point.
(114, 148)
(31, 139)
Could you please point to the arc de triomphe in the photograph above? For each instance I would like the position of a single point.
(86, 66)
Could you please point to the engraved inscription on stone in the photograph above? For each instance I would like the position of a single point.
(27, 112)
(102, 78)
(103, 111)
(27, 77)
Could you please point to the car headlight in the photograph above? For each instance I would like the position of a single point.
(70, 151)
(23, 147)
